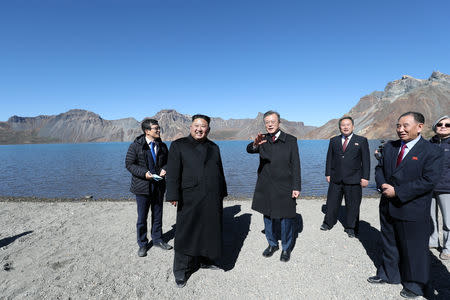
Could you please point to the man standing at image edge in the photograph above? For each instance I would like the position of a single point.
(146, 158)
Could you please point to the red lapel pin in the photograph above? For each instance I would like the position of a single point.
(415, 158)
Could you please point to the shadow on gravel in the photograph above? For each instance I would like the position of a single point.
(235, 231)
(440, 278)
(166, 237)
(370, 239)
(6, 241)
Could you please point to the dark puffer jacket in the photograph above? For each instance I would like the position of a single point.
(443, 185)
(136, 162)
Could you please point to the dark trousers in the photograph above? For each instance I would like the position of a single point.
(353, 195)
(144, 202)
(405, 255)
(184, 265)
(279, 229)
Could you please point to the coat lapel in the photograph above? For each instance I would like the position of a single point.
(411, 153)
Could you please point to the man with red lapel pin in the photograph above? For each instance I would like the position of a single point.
(406, 175)
(347, 171)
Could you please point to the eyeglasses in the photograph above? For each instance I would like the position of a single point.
(443, 125)
(156, 128)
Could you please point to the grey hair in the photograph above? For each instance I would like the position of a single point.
(272, 112)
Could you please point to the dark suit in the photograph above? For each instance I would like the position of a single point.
(195, 179)
(149, 193)
(278, 176)
(405, 218)
(346, 169)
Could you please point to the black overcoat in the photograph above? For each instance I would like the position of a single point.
(195, 179)
(137, 163)
(278, 175)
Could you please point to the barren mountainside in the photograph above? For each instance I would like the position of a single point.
(376, 114)
(77, 126)
(375, 117)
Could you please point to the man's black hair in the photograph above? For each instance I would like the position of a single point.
(199, 116)
(346, 118)
(147, 124)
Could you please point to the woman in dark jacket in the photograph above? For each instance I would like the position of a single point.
(441, 195)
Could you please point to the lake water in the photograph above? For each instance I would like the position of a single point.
(98, 169)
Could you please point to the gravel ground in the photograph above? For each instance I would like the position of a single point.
(87, 250)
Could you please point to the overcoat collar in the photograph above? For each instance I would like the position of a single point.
(206, 143)
(281, 137)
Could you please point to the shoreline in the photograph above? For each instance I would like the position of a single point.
(90, 198)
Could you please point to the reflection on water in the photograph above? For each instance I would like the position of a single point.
(98, 169)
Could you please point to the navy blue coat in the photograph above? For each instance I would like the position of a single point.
(137, 163)
(443, 185)
(413, 180)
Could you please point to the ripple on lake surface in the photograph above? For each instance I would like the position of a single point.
(98, 169)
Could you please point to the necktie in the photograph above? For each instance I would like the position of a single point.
(273, 138)
(345, 143)
(400, 155)
(152, 149)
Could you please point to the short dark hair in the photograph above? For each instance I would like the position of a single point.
(346, 118)
(272, 112)
(147, 124)
(418, 117)
(199, 116)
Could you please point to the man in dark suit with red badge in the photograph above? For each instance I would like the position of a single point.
(347, 171)
(406, 175)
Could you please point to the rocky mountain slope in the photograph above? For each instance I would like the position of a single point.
(376, 114)
(76, 126)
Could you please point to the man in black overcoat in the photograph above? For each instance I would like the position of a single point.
(406, 175)
(196, 185)
(146, 160)
(278, 184)
(347, 171)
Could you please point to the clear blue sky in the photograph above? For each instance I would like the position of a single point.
(310, 60)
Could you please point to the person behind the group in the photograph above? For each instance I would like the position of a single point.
(278, 184)
(347, 171)
(196, 185)
(406, 175)
(146, 160)
(441, 194)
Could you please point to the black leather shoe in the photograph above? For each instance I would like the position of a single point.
(181, 283)
(270, 251)
(142, 251)
(350, 233)
(285, 256)
(376, 280)
(163, 246)
(325, 227)
(210, 267)
(405, 293)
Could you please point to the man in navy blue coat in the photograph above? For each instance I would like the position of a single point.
(406, 175)
(146, 160)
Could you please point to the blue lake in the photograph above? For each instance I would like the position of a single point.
(98, 169)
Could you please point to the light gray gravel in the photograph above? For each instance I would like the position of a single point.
(87, 250)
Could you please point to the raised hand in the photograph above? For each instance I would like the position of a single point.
(259, 140)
